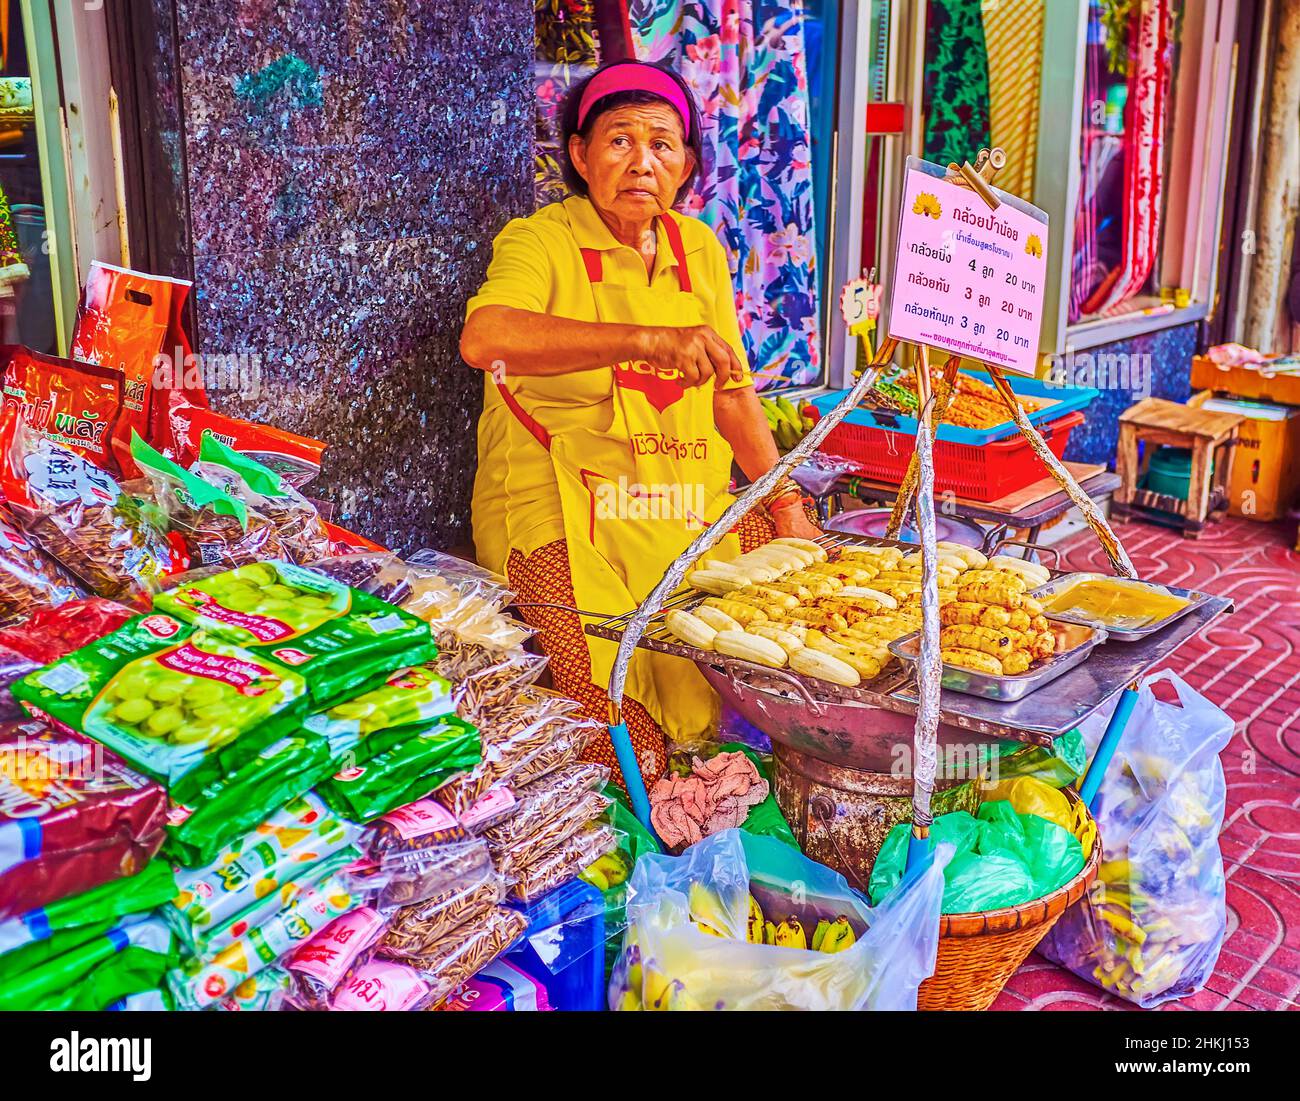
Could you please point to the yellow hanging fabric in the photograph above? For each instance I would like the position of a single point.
(1013, 37)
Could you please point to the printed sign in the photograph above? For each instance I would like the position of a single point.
(968, 279)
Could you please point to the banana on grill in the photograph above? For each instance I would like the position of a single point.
(974, 660)
(813, 548)
(865, 592)
(945, 575)
(822, 666)
(945, 561)
(995, 577)
(1017, 662)
(847, 573)
(1004, 593)
(690, 629)
(765, 594)
(818, 584)
(1032, 572)
(815, 617)
(715, 581)
(801, 593)
(882, 630)
(875, 555)
(863, 663)
(787, 640)
(1019, 620)
(987, 640)
(968, 613)
(1031, 606)
(742, 613)
(855, 611)
(973, 558)
(747, 574)
(716, 618)
(748, 647)
(1039, 623)
(1044, 645)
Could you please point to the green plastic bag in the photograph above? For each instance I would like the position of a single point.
(128, 958)
(95, 909)
(405, 772)
(1058, 766)
(341, 640)
(179, 704)
(229, 807)
(613, 870)
(764, 820)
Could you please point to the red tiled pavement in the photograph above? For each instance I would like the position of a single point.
(1249, 665)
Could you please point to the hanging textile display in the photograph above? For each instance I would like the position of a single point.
(566, 51)
(1013, 37)
(956, 82)
(1149, 68)
(744, 59)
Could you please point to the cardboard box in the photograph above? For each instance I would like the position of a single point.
(1266, 466)
(1245, 382)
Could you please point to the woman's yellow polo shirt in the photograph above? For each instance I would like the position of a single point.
(537, 265)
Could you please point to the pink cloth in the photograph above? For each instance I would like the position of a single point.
(716, 796)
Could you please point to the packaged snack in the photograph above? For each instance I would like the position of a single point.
(512, 858)
(205, 526)
(296, 520)
(72, 816)
(386, 986)
(270, 864)
(405, 878)
(265, 992)
(468, 948)
(563, 862)
(499, 987)
(379, 573)
(129, 957)
(539, 802)
(563, 750)
(342, 641)
(51, 633)
(462, 601)
(417, 931)
(295, 458)
(201, 982)
(334, 956)
(75, 405)
(405, 772)
(182, 705)
(419, 825)
(93, 910)
(407, 698)
(28, 580)
(232, 804)
(13, 667)
(482, 678)
(80, 516)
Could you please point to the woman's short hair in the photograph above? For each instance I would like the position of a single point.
(569, 124)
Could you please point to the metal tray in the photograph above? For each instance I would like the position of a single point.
(1074, 642)
(1119, 634)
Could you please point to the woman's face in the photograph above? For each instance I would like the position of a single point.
(634, 161)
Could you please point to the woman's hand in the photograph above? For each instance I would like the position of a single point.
(697, 352)
(790, 520)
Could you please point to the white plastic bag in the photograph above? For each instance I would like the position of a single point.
(669, 962)
(1151, 926)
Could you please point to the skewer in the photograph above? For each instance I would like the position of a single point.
(946, 394)
(1119, 559)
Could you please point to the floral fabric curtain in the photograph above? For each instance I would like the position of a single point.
(567, 50)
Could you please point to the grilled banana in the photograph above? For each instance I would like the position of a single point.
(1033, 572)
(973, 558)
(973, 660)
(815, 549)
(1031, 606)
(967, 613)
(987, 640)
(766, 595)
(715, 581)
(862, 662)
(865, 592)
(814, 663)
(690, 629)
(755, 648)
(1016, 662)
(945, 561)
(716, 618)
(818, 584)
(787, 640)
(742, 613)
(1003, 593)
(847, 573)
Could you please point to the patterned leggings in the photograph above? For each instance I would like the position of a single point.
(544, 577)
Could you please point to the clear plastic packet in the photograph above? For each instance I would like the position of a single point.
(334, 955)
(265, 992)
(563, 750)
(537, 803)
(564, 862)
(481, 678)
(404, 878)
(13, 667)
(469, 947)
(512, 859)
(364, 571)
(384, 985)
(81, 516)
(415, 932)
(420, 825)
(28, 579)
(462, 602)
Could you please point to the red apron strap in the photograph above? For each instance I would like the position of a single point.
(591, 261)
(674, 234)
(523, 416)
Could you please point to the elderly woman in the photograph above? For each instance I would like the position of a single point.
(616, 396)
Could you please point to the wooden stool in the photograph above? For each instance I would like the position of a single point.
(1211, 438)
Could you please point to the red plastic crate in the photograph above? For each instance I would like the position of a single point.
(983, 473)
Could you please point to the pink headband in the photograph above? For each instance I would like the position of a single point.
(634, 78)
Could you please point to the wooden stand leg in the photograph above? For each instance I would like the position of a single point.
(1126, 464)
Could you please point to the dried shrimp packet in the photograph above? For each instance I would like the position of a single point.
(537, 803)
(416, 930)
(469, 947)
(482, 678)
(405, 878)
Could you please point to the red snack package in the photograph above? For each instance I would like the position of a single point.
(28, 579)
(73, 404)
(294, 458)
(72, 816)
(124, 322)
(52, 633)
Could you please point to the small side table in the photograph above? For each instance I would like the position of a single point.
(1210, 437)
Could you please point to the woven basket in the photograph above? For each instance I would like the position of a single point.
(979, 952)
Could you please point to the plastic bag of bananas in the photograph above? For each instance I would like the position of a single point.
(743, 922)
(1151, 926)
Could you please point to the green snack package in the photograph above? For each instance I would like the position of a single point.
(405, 772)
(230, 806)
(95, 909)
(266, 864)
(199, 983)
(407, 698)
(169, 699)
(127, 958)
(341, 640)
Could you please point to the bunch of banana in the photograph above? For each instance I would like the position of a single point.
(834, 936)
(788, 424)
(609, 871)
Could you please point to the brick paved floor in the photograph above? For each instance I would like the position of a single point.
(1249, 666)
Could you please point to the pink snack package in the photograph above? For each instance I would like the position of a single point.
(334, 956)
(386, 986)
(499, 987)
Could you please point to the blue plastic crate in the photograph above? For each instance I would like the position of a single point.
(564, 946)
(1067, 399)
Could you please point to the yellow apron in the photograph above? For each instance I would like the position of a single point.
(636, 491)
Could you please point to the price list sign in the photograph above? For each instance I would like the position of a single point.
(967, 278)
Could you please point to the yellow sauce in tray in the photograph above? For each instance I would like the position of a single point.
(1115, 604)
